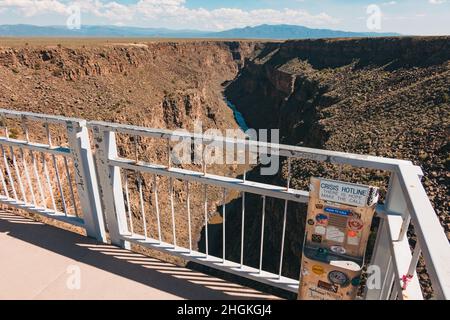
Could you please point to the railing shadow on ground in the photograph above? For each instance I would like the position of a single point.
(160, 275)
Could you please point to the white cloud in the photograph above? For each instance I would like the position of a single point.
(437, 1)
(30, 7)
(116, 11)
(225, 18)
(171, 13)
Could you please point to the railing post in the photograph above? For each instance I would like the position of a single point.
(428, 229)
(86, 179)
(382, 261)
(382, 257)
(111, 186)
(392, 254)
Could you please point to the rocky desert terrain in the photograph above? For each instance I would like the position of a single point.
(167, 85)
(386, 97)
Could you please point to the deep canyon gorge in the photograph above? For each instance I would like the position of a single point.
(386, 97)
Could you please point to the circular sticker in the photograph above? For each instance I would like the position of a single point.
(316, 238)
(322, 219)
(355, 224)
(311, 222)
(352, 234)
(320, 230)
(356, 281)
(305, 271)
(318, 270)
(321, 252)
(339, 278)
(338, 249)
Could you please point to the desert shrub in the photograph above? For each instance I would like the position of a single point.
(445, 98)
(13, 133)
(57, 73)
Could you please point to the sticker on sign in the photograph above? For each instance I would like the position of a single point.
(347, 193)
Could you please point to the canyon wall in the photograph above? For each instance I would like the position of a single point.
(124, 82)
(168, 85)
(386, 97)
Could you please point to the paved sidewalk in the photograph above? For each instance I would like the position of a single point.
(38, 261)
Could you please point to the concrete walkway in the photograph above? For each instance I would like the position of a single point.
(38, 261)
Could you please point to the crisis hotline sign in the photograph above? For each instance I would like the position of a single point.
(345, 193)
(337, 230)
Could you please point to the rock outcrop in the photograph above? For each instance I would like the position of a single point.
(387, 97)
(168, 85)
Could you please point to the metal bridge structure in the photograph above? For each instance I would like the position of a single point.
(83, 180)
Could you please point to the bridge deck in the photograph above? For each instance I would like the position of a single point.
(38, 261)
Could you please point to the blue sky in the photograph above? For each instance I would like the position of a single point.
(424, 17)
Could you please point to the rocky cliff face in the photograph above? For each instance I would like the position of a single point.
(166, 85)
(123, 82)
(386, 97)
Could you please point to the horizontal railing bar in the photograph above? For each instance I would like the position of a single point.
(368, 161)
(381, 212)
(48, 213)
(216, 263)
(365, 161)
(39, 147)
(214, 180)
(432, 239)
(45, 118)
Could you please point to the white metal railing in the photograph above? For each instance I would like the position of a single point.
(55, 181)
(406, 202)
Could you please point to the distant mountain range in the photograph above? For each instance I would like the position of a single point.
(284, 31)
(281, 32)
